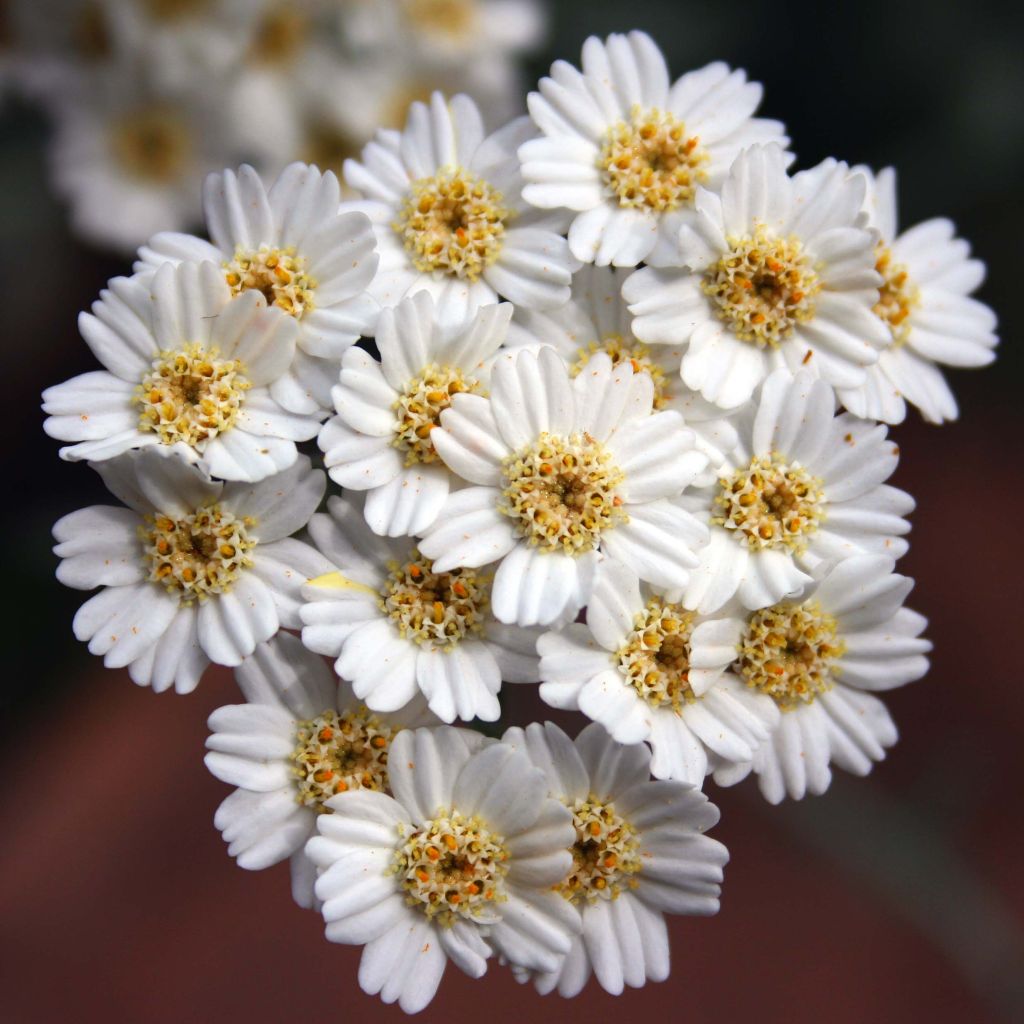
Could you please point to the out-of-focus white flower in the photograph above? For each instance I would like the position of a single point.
(300, 738)
(640, 853)
(192, 571)
(927, 280)
(398, 626)
(458, 865)
(776, 271)
(627, 150)
(820, 658)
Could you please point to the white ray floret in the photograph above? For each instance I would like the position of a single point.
(380, 440)
(803, 487)
(458, 865)
(188, 368)
(192, 571)
(649, 671)
(775, 271)
(564, 469)
(596, 319)
(301, 737)
(447, 208)
(291, 243)
(925, 300)
(639, 853)
(820, 659)
(399, 626)
(627, 150)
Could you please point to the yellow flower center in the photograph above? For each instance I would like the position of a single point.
(339, 751)
(280, 274)
(561, 491)
(152, 145)
(633, 352)
(605, 856)
(174, 10)
(763, 287)
(90, 32)
(649, 161)
(435, 609)
(791, 653)
(453, 867)
(771, 503)
(280, 36)
(190, 396)
(898, 296)
(455, 19)
(656, 656)
(418, 410)
(200, 555)
(453, 222)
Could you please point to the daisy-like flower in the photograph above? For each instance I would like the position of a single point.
(566, 469)
(802, 488)
(189, 368)
(819, 659)
(300, 738)
(458, 865)
(447, 208)
(290, 244)
(927, 279)
(627, 151)
(192, 571)
(640, 852)
(399, 626)
(774, 271)
(597, 319)
(380, 440)
(650, 671)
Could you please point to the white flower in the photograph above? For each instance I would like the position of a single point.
(802, 488)
(380, 441)
(300, 738)
(127, 156)
(291, 244)
(566, 468)
(627, 150)
(399, 626)
(639, 853)
(192, 571)
(650, 671)
(597, 319)
(447, 208)
(820, 659)
(457, 865)
(776, 271)
(189, 368)
(927, 278)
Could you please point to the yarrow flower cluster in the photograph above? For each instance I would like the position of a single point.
(605, 396)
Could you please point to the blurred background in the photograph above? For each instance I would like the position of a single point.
(895, 898)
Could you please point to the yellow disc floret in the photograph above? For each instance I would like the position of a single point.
(606, 854)
(452, 19)
(898, 296)
(338, 751)
(280, 274)
(791, 653)
(190, 396)
(152, 144)
(629, 351)
(655, 658)
(435, 609)
(651, 162)
(174, 10)
(453, 222)
(418, 409)
(763, 287)
(200, 555)
(281, 36)
(562, 492)
(453, 867)
(771, 503)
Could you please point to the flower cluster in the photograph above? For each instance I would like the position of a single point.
(603, 396)
(146, 96)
